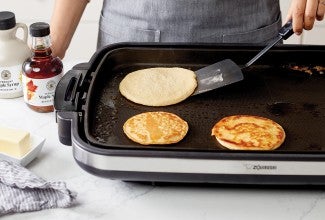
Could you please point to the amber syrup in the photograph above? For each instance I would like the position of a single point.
(42, 65)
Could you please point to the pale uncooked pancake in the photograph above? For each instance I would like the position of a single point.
(245, 132)
(155, 128)
(158, 86)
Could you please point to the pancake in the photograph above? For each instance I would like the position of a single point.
(245, 132)
(155, 128)
(158, 86)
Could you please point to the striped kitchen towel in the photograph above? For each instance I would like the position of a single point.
(22, 191)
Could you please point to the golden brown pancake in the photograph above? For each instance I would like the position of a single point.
(246, 132)
(158, 86)
(155, 128)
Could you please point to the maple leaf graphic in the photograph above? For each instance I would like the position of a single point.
(30, 86)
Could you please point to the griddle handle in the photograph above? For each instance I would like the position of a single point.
(66, 91)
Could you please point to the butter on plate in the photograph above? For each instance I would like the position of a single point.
(14, 142)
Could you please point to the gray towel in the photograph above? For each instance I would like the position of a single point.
(22, 191)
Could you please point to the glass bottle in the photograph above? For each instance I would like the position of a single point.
(42, 71)
(13, 52)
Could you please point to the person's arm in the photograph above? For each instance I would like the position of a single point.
(65, 19)
(304, 13)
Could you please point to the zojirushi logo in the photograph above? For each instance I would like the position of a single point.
(260, 167)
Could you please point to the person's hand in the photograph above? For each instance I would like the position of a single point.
(57, 51)
(65, 19)
(303, 14)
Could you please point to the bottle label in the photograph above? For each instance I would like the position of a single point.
(10, 79)
(40, 92)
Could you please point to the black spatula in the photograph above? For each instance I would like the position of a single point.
(227, 72)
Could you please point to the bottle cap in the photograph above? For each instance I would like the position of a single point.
(7, 20)
(39, 29)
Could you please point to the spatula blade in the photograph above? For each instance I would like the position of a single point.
(217, 75)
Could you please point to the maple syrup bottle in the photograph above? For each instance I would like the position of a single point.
(42, 71)
(13, 52)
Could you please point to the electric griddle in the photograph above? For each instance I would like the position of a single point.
(286, 85)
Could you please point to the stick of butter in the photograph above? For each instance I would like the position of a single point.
(14, 142)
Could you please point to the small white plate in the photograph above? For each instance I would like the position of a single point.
(37, 143)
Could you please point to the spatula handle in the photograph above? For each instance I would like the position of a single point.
(284, 33)
(286, 30)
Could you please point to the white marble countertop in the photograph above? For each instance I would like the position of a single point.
(100, 198)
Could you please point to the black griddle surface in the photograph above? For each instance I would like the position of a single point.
(294, 99)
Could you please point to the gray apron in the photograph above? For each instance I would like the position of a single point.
(206, 21)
